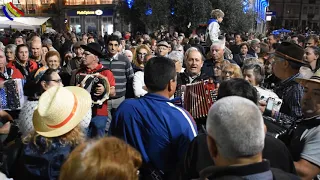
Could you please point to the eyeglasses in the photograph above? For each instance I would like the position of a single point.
(218, 68)
(56, 80)
(142, 54)
(228, 72)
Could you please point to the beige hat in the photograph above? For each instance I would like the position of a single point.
(163, 43)
(315, 78)
(60, 110)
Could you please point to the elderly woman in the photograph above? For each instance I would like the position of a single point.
(177, 58)
(253, 73)
(53, 59)
(231, 71)
(107, 158)
(57, 132)
(10, 51)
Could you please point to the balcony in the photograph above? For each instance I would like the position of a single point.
(88, 2)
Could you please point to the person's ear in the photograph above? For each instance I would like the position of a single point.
(212, 146)
(171, 85)
(286, 64)
(44, 85)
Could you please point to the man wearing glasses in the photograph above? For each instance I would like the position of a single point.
(288, 58)
(99, 121)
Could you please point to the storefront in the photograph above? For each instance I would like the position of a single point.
(97, 21)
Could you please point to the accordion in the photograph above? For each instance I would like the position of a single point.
(11, 95)
(90, 83)
(197, 99)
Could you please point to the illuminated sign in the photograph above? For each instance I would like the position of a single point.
(96, 12)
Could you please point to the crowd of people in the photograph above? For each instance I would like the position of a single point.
(108, 108)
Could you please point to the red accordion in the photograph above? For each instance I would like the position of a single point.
(197, 98)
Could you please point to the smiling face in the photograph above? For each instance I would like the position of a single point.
(194, 63)
(53, 62)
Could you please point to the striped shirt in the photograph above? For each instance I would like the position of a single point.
(122, 72)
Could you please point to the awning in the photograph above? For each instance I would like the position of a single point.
(15, 25)
(33, 21)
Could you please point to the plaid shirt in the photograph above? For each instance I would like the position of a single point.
(291, 94)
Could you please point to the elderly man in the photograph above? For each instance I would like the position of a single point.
(235, 140)
(217, 50)
(163, 48)
(194, 62)
(287, 61)
(197, 157)
(36, 50)
(304, 145)
(47, 42)
(177, 58)
(254, 49)
(91, 65)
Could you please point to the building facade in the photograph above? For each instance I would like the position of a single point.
(295, 14)
(96, 16)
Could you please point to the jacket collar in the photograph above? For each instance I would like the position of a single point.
(246, 170)
(154, 96)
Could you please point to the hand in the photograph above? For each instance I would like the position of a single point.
(99, 90)
(262, 105)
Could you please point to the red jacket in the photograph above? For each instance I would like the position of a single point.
(103, 111)
(17, 74)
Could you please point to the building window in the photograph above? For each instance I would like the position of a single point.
(312, 1)
(310, 10)
(305, 10)
(89, 2)
(316, 10)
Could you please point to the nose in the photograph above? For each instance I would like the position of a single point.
(246, 78)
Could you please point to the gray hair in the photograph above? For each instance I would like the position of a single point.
(117, 33)
(254, 42)
(186, 55)
(176, 56)
(236, 124)
(46, 42)
(127, 51)
(220, 43)
(251, 60)
(176, 48)
(11, 47)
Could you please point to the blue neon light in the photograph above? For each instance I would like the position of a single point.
(130, 3)
(148, 11)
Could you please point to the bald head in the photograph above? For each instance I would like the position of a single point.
(36, 49)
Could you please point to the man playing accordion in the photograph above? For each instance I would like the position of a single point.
(100, 82)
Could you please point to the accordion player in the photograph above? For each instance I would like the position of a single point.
(90, 83)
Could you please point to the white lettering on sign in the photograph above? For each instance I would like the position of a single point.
(96, 12)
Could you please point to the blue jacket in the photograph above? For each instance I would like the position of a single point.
(159, 130)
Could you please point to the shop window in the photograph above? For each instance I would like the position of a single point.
(110, 20)
(310, 10)
(72, 20)
(77, 20)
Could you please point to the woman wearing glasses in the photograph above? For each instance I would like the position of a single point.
(231, 71)
(141, 51)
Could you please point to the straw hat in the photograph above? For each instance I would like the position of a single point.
(315, 78)
(60, 110)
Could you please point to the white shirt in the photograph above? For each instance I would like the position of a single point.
(138, 84)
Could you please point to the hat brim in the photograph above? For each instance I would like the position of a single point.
(303, 81)
(93, 51)
(84, 105)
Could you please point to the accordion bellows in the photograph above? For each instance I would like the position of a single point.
(11, 95)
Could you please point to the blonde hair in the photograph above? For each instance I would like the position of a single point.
(107, 158)
(236, 70)
(143, 46)
(73, 138)
(217, 13)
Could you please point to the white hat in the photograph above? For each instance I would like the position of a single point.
(60, 110)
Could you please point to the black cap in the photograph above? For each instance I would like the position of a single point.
(94, 48)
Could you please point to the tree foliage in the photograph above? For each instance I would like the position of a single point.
(179, 13)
